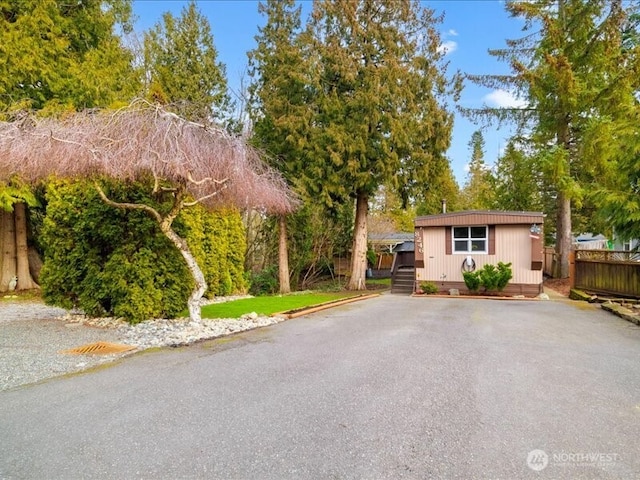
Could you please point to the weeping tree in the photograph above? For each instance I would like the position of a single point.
(192, 163)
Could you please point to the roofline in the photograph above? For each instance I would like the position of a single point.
(481, 217)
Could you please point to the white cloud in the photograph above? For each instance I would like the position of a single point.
(452, 33)
(503, 99)
(448, 47)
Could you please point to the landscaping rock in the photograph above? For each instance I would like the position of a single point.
(622, 312)
(454, 291)
(576, 294)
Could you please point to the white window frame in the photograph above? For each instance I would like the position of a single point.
(469, 239)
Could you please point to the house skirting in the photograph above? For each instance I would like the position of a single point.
(528, 290)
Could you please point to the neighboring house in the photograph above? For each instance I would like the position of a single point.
(385, 245)
(626, 246)
(589, 241)
(450, 243)
(386, 242)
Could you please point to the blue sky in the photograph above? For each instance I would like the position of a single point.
(470, 28)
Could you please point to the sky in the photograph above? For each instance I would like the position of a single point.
(470, 28)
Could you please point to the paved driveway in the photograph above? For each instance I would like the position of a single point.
(393, 387)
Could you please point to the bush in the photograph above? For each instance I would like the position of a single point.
(108, 261)
(490, 277)
(428, 287)
(471, 280)
(265, 282)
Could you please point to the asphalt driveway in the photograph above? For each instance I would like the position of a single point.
(392, 387)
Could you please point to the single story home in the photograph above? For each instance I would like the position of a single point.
(448, 244)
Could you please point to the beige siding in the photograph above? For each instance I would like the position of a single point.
(513, 244)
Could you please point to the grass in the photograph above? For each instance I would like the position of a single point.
(22, 295)
(272, 304)
(379, 282)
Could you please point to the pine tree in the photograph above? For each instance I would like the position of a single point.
(379, 107)
(182, 69)
(478, 193)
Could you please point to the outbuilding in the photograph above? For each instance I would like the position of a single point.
(448, 244)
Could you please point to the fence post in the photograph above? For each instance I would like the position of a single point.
(572, 269)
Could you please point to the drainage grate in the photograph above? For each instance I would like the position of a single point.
(99, 348)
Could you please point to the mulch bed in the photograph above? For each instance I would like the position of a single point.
(560, 285)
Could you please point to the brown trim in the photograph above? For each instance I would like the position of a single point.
(479, 217)
(447, 240)
(529, 290)
(492, 240)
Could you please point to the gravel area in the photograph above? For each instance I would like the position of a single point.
(34, 334)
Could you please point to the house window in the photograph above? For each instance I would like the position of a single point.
(470, 239)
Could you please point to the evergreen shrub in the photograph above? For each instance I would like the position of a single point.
(113, 262)
(428, 287)
(490, 277)
(265, 282)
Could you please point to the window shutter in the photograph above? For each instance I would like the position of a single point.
(492, 239)
(447, 240)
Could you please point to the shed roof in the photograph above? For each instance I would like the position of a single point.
(396, 237)
(479, 217)
(405, 247)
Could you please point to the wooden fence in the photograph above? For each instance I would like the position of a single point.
(608, 271)
(549, 259)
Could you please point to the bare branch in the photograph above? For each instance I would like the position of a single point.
(205, 180)
(139, 141)
(127, 206)
(200, 200)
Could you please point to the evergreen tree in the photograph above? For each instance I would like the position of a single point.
(577, 76)
(379, 107)
(478, 193)
(60, 55)
(442, 187)
(277, 96)
(517, 186)
(182, 69)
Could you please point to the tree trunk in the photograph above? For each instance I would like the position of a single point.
(563, 236)
(283, 257)
(359, 248)
(35, 264)
(25, 281)
(8, 254)
(164, 223)
(198, 277)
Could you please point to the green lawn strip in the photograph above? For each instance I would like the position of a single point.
(271, 304)
(379, 282)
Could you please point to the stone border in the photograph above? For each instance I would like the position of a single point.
(609, 304)
(622, 312)
(323, 306)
